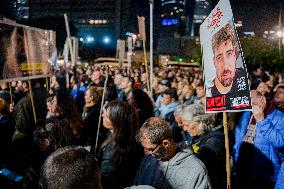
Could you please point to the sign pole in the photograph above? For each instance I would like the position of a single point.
(146, 65)
(151, 47)
(32, 100)
(228, 169)
(100, 118)
(47, 84)
(11, 95)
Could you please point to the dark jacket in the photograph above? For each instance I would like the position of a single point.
(90, 117)
(119, 175)
(7, 128)
(24, 120)
(210, 149)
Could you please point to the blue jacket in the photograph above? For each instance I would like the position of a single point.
(165, 109)
(266, 156)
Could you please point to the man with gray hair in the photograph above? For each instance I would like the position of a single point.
(165, 165)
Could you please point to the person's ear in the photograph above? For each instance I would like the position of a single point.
(25, 85)
(166, 143)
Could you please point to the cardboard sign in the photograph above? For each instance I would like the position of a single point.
(24, 52)
(225, 75)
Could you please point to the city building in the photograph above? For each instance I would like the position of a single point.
(98, 23)
(180, 21)
(172, 26)
(21, 9)
(202, 9)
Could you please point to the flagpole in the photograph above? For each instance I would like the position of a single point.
(151, 47)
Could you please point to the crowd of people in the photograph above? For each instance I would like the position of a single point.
(163, 141)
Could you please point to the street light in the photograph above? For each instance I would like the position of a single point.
(106, 40)
(90, 39)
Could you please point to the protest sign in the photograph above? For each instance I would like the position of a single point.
(24, 52)
(225, 75)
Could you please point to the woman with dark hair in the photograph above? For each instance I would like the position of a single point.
(142, 104)
(120, 154)
(111, 92)
(63, 109)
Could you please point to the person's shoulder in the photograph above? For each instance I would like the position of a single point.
(148, 163)
(276, 114)
(189, 159)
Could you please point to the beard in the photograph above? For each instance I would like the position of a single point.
(228, 81)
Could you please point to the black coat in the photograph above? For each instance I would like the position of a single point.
(119, 175)
(7, 128)
(90, 117)
(210, 149)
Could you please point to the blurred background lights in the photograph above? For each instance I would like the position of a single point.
(106, 40)
(90, 39)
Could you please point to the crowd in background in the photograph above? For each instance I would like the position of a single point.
(167, 141)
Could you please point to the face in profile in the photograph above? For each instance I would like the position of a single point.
(155, 150)
(192, 128)
(225, 62)
(106, 120)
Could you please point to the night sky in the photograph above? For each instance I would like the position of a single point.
(257, 15)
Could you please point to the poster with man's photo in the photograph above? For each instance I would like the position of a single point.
(24, 52)
(225, 75)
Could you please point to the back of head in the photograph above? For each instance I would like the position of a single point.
(4, 85)
(143, 101)
(70, 168)
(4, 109)
(123, 120)
(179, 110)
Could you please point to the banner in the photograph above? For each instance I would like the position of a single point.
(225, 75)
(121, 51)
(24, 52)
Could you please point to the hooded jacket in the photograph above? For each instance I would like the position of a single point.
(183, 171)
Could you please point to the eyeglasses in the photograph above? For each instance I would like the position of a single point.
(153, 150)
